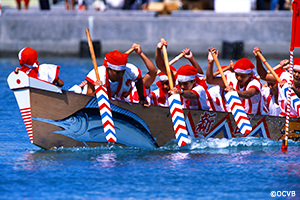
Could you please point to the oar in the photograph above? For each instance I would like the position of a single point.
(174, 60)
(102, 98)
(218, 72)
(235, 104)
(129, 51)
(175, 108)
(275, 68)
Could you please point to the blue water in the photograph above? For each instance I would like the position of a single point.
(249, 168)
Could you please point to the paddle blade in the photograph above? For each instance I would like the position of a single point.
(179, 125)
(238, 112)
(295, 36)
(106, 115)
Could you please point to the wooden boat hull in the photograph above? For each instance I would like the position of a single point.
(56, 118)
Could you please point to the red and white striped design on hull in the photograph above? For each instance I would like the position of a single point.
(26, 115)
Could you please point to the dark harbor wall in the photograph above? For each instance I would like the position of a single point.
(61, 33)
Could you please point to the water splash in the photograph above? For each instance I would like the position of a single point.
(204, 144)
(234, 143)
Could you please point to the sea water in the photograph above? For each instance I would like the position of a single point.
(240, 168)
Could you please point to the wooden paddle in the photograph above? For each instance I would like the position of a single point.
(176, 111)
(276, 67)
(129, 51)
(268, 66)
(174, 60)
(91, 47)
(235, 104)
(218, 72)
(102, 98)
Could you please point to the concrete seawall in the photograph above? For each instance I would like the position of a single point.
(57, 32)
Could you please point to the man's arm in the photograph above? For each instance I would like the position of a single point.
(248, 93)
(159, 61)
(140, 89)
(210, 79)
(262, 72)
(189, 55)
(149, 78)
(59, 82)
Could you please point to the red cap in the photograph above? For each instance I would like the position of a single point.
(28, 56)
(297, 63)
(244, 66)
(116, 60)
(186, 73)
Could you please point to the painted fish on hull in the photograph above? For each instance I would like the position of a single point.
(86, 126)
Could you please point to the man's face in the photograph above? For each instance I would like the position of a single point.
(242, 78)
(273, 88)
(186, 85)
(296, 75)
(165, 85)
(115, 75)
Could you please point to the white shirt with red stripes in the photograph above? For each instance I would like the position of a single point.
(284, 76)
(44, 72)
(118, 88)
(284, 101)
(159, 98)
(270, 106)
(48, 72)
(216, 99)
(200, 103)
(254, 105)
(133, 97)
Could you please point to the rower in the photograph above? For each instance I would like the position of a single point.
(267, 76)
(193, 94)
(270, 90)
(187, 53)
(216, 94)
(197, 79)
(243, 81)
(159, 97)
(283, 86)
(29, 64)
(148, 79)
(116, 75)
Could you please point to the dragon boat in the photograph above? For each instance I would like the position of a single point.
(56, 118)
